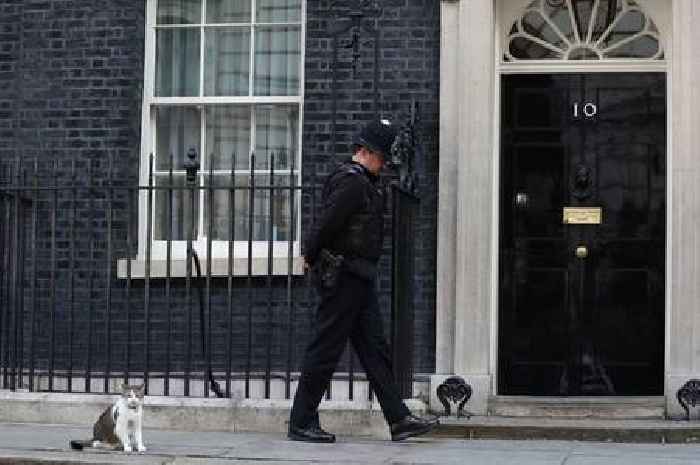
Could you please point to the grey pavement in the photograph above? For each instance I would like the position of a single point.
(24, 444)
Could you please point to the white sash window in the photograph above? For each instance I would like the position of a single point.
(225, 78)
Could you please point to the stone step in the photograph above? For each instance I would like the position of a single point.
(590, 429)
(360, 417)
(578, 407)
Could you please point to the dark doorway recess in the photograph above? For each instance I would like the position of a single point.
(581, 306)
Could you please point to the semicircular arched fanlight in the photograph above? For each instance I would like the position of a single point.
(583, 30)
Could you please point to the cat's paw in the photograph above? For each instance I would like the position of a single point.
(128, 449)
(141, 448)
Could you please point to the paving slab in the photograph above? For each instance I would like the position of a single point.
(30, 444)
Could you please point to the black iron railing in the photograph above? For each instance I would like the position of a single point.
(190, 282)
(13, 208)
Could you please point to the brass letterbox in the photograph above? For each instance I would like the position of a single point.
(582, 215)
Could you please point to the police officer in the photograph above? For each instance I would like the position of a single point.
(349, 233)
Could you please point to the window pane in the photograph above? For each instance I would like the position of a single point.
(223, 197)
(283, 229)
(228, 11)
(177, 130)
(535, 25)
(629, 25)
(583, 53)
(227, 61)
(280, 209)
(177, 62)
(179, 11)
(607, 12)
(560, 16)
(277, 58)
(521, 47)
(642, 47)
(180, 218)
(228, 136)
(276, 131)
(278, 11)
(583, 9)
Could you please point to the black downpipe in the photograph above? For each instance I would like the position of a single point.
(216, 389)
(191, 167)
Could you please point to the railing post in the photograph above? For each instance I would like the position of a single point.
(4, 267)
(402, 286)
(191, 168)
(15, 278)
(407, 160)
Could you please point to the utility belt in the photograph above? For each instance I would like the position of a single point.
(329, 265)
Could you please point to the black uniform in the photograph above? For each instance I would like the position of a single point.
(351, 225)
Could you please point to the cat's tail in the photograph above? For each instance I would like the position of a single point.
(77, 444)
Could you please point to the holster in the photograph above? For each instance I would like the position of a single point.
(362, 267)
(327, 269)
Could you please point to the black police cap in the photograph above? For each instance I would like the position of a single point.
(377, 136)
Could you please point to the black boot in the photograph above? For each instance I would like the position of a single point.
(312, 433)
(411, 426)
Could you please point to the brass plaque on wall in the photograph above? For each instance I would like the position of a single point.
(583, 215)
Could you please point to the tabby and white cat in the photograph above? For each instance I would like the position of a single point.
(119, 427)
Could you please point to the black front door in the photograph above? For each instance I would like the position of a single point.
(581, 304)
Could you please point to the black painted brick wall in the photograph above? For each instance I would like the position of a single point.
(71, 76)
(76, 78)
(409, 69)
(10, 14)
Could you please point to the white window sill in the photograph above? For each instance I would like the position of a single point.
(219, 267)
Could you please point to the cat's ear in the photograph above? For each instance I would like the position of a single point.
(140, 389)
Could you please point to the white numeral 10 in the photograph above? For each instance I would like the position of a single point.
(589, 110)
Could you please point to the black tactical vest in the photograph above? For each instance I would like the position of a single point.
(363, 235)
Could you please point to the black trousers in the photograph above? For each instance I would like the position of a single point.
(350, 312)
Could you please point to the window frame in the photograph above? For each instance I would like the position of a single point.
(158, 249)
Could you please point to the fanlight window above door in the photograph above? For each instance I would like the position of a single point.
(583, 30)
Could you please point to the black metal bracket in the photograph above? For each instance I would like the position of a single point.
(689, 395)
(407, 153)
(355, 11)
(455, 389)
(351, 18)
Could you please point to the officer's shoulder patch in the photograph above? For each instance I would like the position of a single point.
(346, 170)
(352, 168)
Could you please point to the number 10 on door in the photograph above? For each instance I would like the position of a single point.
(588, 110)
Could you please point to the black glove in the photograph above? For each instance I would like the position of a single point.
(327, 269)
